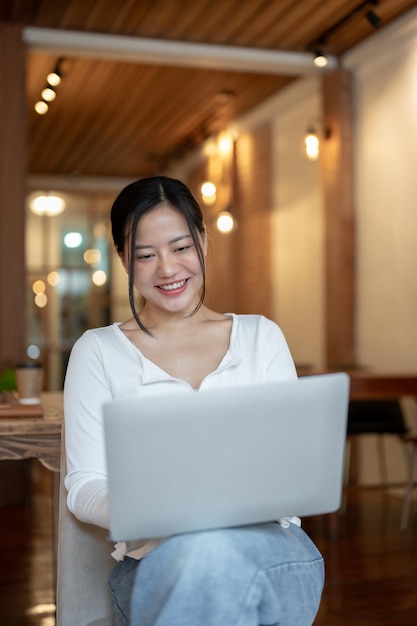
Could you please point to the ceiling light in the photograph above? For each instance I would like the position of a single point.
(225, 222)
(99, 277)
(53, 278)
(210, 148)
(208, 192)
(41, 107)
(48, 205)
(48, 94)
(55, 77)
(225, 144)
(363, 9)
(73, 240)
(38, 287)
(92, 256)
(316, 131)
(312, 145)
(320, 59)
(41, 300)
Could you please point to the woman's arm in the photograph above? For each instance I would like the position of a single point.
(278, 360)
(86, 390)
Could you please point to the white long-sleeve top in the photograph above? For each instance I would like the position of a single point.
(105, 366)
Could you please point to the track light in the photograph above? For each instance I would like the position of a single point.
(320, 59)
(48, 94)
(366, 9)
(41, 107)
(55, 77)
(373, 19)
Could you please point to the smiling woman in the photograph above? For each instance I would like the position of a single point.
(269, 573)
(166, 263)
(174, 230)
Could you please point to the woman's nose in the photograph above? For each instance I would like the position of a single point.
(167, 265)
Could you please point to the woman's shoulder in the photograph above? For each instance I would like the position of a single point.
(255, 328)
(253, 321)
(101, 335)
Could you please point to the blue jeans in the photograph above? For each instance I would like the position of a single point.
(250, 576)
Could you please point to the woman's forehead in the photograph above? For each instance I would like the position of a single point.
(161, 219)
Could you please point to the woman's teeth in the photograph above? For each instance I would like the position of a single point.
(172, 286)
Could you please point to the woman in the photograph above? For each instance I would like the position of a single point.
(261, 574)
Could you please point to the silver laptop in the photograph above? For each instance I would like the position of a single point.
(225, 457)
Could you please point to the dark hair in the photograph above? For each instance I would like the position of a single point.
(139, 198)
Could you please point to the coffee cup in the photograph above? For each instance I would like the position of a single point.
(29, 382)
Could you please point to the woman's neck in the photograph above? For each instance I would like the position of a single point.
(163, 323)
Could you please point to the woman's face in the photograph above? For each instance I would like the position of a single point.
(167, 268)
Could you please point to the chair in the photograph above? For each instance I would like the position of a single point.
(412, 439)
(377, 417)
(84, 565)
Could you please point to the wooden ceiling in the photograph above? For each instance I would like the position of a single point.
(120, 116)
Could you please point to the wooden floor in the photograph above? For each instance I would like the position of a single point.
(371, 566)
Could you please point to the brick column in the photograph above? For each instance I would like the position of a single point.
(338, 181)
(13, 154)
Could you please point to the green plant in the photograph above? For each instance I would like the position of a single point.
(7, 380)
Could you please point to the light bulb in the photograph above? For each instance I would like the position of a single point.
(48, 94)
(320, 59)
(41, 107)
(225, 222)
(53, 79)
(47, 205)
(208, 192)
(312, 145)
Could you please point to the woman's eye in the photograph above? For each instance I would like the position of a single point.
(183, 248)
(143, 257)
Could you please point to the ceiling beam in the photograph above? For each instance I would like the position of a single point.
(76, 183)
(173, 53)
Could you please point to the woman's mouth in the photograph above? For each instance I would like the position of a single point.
(179, 284)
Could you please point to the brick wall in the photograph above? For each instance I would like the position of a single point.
(239, 263)
(220, 281)
(252, 204)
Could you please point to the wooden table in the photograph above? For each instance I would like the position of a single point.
(373, 385)
(25, 436)
(368, 385)
(40, 437)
